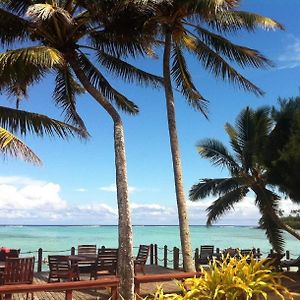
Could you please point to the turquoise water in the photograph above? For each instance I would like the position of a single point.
(58, 238)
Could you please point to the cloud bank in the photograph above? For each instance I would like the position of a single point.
(28, 201)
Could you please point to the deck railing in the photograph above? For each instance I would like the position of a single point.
(163, 256)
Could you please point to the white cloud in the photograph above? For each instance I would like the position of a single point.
(291, 57)
(113, 189)
(25, 200)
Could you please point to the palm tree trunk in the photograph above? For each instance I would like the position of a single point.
(186, 247)
(125, 259)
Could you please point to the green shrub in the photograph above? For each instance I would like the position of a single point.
(230, 278)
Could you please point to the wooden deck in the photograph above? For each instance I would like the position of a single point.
(146, 289)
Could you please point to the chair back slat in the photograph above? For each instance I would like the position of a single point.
(18, 270)
(143, 253)
(206, 251)
(87, 250)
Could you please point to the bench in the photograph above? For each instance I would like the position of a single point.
(138, 279)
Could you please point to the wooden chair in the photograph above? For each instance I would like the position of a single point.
(87, 250)
(206, 254)
(18, 271)
(12, 253)
(106, 263)
(60, 267)
(291, 263)
(141, 259)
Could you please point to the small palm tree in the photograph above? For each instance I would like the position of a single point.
(22, 122)
(199, 28)
(78, 38)
(247, 173)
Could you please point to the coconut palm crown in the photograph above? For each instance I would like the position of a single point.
(248, 138)
(200, 28)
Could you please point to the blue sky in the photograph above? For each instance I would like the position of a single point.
(75, 185)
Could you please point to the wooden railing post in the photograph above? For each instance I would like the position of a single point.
(196, 257)
(151, 254)
(73, 251)
(155, 254)
(287, 254)
(68, 295)
(165, 256)
(40, 260)
(175, 258)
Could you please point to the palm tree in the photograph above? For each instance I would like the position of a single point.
(198, 27)
(74, 38)
(25, 122)
(247, 172)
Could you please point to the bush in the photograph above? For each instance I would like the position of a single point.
(231, 278)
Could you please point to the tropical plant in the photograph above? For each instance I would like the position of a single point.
(199, 28)
(232, 279)
(22, 122)
(282, 156)
(247, 173)
(74, 38)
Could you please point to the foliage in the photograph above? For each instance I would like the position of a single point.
(293, 221)
(231, 279)
(249, 139)
(282, 156)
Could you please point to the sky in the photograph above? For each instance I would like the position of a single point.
(76, 183)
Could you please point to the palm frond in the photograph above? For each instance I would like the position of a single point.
(273, 232)
(241, 55)
(26, 66)
(23, 122)
(215, 64)
(184, 82)
(66, 89)
(127, 71)
(217, 153)
(11, 145)
(12, 28)
(99, 82)
(212, 187)
(224, 204)
(44, 11)
(233, 20)
(17, 6)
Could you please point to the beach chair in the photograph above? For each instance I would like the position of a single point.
(18, 271)
(291, 263)
(9, 253)
(87, 250)
(106, 263)
(206, 254)
(141, 258)
(60, 268)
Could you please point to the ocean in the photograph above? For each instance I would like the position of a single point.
(62, 238)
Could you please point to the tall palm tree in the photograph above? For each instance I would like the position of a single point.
(22, 122)
(79, 38)
(248, 138)
(199, 27)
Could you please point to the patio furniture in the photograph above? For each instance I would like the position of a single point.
(206, 254)
(106, 263)
(87, 251)
(9, 253)
(291, 263)
(141, 258)
(60, 268)
(18, 271)
(274, 260)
